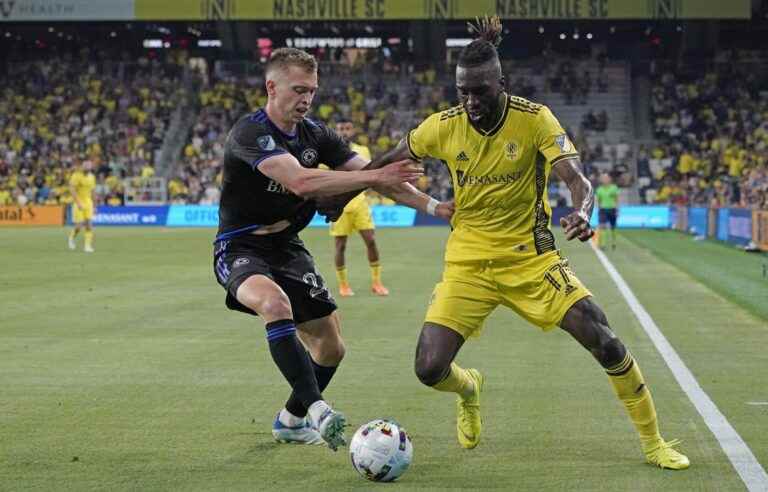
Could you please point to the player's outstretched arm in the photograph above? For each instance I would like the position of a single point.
(332, 207)
(576, 224)
(399, 153)
(406, 194)
(310, 183)
(403, 193)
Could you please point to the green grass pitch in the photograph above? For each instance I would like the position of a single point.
(123, 370)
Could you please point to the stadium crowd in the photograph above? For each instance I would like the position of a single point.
(57, 112)
(713, 138)
(381, 100)
(711, 131)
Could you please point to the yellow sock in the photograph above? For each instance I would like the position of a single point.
(376, 272)
(88, 239)
(457, 381)
(341, 276)
(629, 386)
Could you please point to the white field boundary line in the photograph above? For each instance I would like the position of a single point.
(743, 460)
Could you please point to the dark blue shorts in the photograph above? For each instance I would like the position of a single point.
(608, 216)
(284, 260)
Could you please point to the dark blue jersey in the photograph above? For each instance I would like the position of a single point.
(249, 199)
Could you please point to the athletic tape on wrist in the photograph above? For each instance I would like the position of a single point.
(432, 206)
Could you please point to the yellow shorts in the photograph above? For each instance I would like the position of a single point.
(357, 218)
(82, 214)
(540, 289)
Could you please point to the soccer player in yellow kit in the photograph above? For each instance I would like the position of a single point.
(500, 150)
(81, 185)
(356, 217)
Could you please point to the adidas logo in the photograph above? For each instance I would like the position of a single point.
(462, 157)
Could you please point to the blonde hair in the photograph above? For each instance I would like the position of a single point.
(282, 58)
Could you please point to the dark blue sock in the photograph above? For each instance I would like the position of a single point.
(293, 361)
(323, 375)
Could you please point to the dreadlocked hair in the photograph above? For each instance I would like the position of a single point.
(482, 49)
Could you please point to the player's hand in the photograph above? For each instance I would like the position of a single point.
(405, 171)
(576, 225)
(445, 210)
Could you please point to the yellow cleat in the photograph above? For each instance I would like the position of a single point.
(345, 291)
(664, 456)
(469, 424)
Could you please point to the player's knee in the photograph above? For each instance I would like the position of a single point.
(610, 352)
(274, 306)
(334, 351)
(429, 370)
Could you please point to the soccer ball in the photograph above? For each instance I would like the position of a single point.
(381, 450)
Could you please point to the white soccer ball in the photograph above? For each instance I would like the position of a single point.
(381, 450)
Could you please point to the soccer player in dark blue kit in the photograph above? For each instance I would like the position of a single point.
(269, 191)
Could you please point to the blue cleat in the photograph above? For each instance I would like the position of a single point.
(300, 434)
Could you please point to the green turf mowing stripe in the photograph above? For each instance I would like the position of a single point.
(734, 274)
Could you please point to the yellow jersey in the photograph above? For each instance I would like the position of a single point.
(499, 178)
(359, 200)
(84, 184)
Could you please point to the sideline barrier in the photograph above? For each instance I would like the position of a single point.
(733, 225)
(32, 215)
(740, 226)
(130, 216)
(636, 217)
(383, 216)
(760, 228)
(698, 221)
(193, 216)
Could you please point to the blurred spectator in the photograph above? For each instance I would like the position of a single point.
(714, 137)
(57, 111)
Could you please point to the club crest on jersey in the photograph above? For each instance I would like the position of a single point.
(309, 156)
(564, 143)
(511, 149)
(266, 143)
(240, 262)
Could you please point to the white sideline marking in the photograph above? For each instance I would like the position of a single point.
(757, 403)
(749, 469)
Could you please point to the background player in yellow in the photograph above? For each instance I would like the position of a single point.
(81, 185)
(356, 218)
(500, 150)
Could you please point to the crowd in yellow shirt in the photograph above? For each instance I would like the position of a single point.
(81, 107)
(713, 133)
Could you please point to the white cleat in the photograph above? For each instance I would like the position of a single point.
(331, 427)
(89, 249)
(71, 243)
(303, 433)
